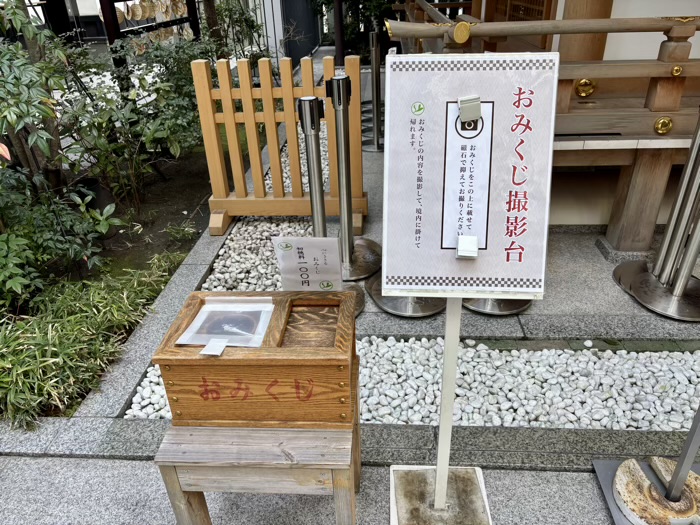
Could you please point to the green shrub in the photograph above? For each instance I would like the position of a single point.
(42, 234)
(55, 356)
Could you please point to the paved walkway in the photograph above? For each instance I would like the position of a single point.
(60, 491)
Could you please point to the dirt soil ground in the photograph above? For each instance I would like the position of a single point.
(170, 206)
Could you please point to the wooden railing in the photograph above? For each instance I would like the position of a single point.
(267, 106)
(637, 113)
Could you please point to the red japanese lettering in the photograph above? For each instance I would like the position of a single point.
(520, 155)
(303, 392)
(517, 201)
(515, 225)
(243, 388)
(522, 100)
(209, 393)
(514, 250)
(521, 124)
(513, 178)
(269, 388)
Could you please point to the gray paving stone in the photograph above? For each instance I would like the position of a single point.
(606, 326)
(544, 498)
(473, 326)
(112, 438)
(690, 346)
(60, 491)
(601, 344)
(652, 346)
(397, 436)
(384, 457)
(187, 278)
(17, 441)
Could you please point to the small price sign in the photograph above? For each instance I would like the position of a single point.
(310, 264)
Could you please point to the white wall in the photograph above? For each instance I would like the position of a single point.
(88, 7)
(636, 46)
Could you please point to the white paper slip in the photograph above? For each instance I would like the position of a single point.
(214, 347)
(309, 263)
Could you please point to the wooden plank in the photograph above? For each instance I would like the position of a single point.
(311, 327)
(640, 192)
(356, 453)
(245, 79)
(271, 207)
(273, 141)
(190, 508)
(352, 69)
(608, 157)
(249, 447)
(344, 496)
(293, 425)
(201, 72)
(219, 222)
(328, 73)
(637, 122)
(260, 392)
(223, 69)
(626, 69)
(257, 480)
(307, 77)
(290, 119)
(564, 92)
(357, 222)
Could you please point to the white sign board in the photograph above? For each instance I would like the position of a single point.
(309, 264)
(489, 179)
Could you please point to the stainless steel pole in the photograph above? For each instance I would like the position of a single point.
(376, 89)
(340, 95)
(681, 213)
(685, 461)
(310, 113)
(690, 257)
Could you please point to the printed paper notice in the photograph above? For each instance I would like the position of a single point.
(309, 263)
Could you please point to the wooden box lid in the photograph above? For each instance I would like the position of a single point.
(318, 326)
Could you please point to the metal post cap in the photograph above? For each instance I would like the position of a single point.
(310, 114)
(339, 90)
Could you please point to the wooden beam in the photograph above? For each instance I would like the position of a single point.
(640, 191)
(587, 46)
(269, 206)
(627, 69)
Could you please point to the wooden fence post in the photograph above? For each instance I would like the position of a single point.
(201, 73)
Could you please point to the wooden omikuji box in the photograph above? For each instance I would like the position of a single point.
(304, 375)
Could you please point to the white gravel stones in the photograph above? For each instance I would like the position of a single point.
(286, 170)
(150, 401)
(400, 383)
(247, 260)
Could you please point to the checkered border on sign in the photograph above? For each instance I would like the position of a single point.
(519, 64)
(476, 282)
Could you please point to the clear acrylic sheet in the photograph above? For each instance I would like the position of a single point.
(240, 321)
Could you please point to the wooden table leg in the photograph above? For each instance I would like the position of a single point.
(356, 454)
(344, 495)
(190, 507)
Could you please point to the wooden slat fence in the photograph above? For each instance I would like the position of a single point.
(269, 105)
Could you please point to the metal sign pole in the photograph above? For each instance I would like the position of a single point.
(361, 257)
(310, 113)
(447, 398)
(685, 461)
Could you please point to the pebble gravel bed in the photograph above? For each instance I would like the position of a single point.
(400, 380)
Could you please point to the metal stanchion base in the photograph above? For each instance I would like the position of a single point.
(660, 299)
(411, 490)
(625, 273)
(366, 260)
(643, 501)
(497, 306)
(359, 296)
(403, 306)
(606, 472)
